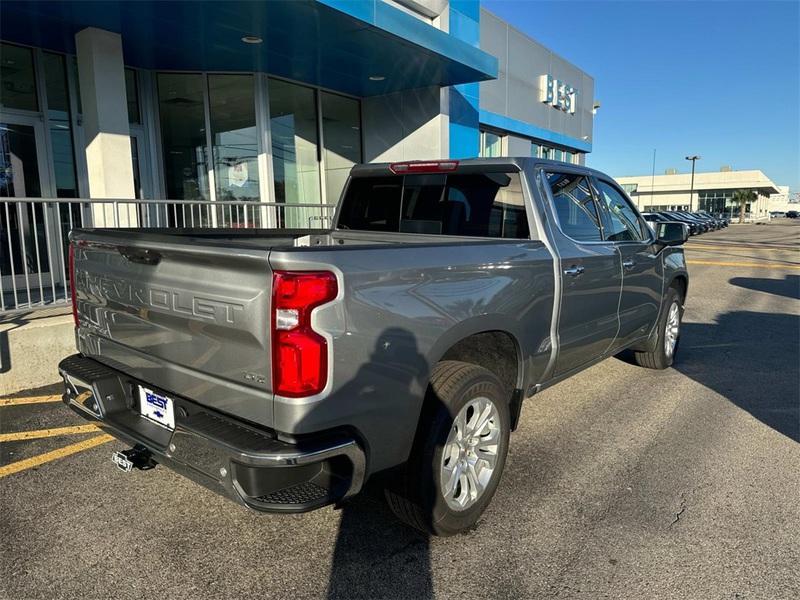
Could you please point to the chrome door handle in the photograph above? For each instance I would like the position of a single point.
(573, 271)
(628, 264)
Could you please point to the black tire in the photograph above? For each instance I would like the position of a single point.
(415, 495)
(659, 358)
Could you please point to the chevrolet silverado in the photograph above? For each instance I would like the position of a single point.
(285, 368)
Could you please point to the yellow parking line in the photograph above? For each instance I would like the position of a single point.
(41, 459)
(45, 433)
(28, 400)
(691, 246)
(721, 263)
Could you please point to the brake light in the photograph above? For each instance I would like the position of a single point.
(72, 288)
(430, 166)
(299, 354)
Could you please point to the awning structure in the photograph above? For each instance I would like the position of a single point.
(361, 47)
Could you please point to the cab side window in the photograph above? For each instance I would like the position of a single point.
(575, 206)
(622, 223)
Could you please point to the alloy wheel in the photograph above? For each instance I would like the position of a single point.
(470, 453)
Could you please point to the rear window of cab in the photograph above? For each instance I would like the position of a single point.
(476, 205)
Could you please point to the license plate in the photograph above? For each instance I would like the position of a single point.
(157, 408)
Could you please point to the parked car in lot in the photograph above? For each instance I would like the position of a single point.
(705, 225)
(713, 224)
(283, 369)
(695, 227)
(792, 214)
(720, 219)
(702, 226)
(653, 218)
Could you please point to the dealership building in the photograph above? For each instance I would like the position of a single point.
(268, 102)
(709, 191)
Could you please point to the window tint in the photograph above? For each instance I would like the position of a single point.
(621, 221)
(481, 205)
(575, 206)
(372, 204)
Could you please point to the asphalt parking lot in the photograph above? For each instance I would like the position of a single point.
(620, 482)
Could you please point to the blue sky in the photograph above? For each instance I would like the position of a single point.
(720, 79)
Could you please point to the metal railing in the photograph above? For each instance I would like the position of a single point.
(34, 235)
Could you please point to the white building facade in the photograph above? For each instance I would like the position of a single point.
(711, 191)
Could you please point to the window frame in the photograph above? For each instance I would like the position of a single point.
(608, 181)
(482, 141)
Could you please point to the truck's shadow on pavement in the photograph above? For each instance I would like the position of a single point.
(376, 555)
(750, 358)
(787, 288)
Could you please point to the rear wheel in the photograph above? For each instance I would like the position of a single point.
(669, 330)
(459, 452)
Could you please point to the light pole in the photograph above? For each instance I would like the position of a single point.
(694, 158)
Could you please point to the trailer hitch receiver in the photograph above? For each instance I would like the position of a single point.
(137, 457)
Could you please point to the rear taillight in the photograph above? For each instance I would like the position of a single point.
(299, 354)
(72, 288)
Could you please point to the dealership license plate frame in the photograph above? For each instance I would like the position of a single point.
(158, 408)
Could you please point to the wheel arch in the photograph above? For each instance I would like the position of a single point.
(681, 283)
(490, 346)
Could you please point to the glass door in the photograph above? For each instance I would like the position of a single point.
(28, 264)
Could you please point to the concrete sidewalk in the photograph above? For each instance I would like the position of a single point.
(31, 345)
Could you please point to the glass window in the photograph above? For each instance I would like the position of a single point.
(546, 152)
(491, 146)
(487, 205)
(19, 177)
(341, 135)
(558, 154)
(295, 147)
(17, 79)
(76, 80)
(575, 206)
(621, 220)
(132, 94)
(55, 84)
(58, 112)
(19, 165)
(234, 137)
(482, 205)
(137, 176)
(183, 135)
(568, 157)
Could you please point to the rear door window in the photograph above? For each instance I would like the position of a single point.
(575, 206)
(477, 205)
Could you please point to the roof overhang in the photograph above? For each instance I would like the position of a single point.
(336, 44)
(711, 180)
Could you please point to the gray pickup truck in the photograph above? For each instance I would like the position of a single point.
(285, 368)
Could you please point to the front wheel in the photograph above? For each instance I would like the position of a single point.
(669, 331)
(459, 452)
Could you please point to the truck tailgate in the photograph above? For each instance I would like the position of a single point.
(189, 317)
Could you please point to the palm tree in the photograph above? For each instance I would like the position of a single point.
(742, 197)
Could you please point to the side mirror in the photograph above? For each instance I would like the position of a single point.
(671, 234)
